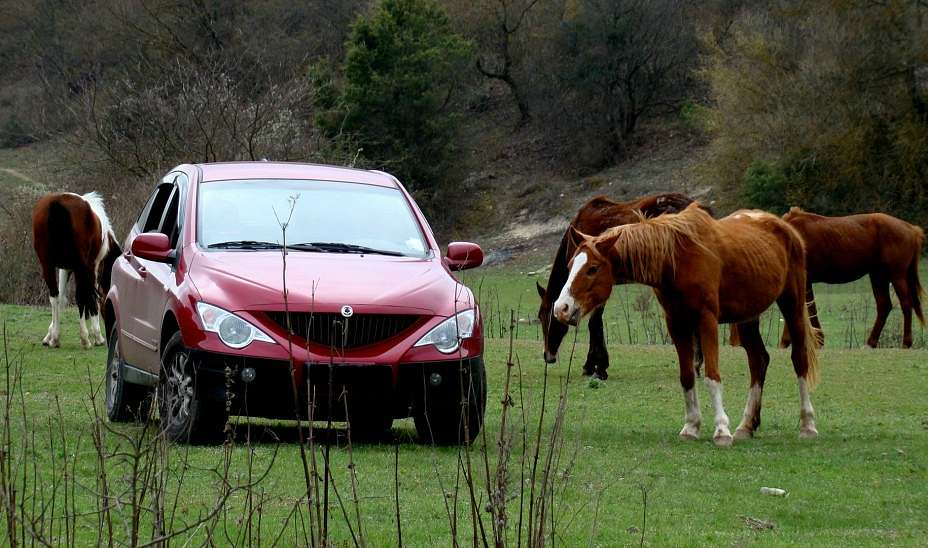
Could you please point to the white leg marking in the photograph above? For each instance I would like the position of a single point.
(722, 436)
(85, 338)
(806, 413)
(63, 288)
(565, 298)
(54, 330)
(693, 417)
(95, 332)
(751, 409)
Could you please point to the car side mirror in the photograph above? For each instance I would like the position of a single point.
(463, 255)
(153, 246)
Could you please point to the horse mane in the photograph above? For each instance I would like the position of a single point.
(650, 244)
(96, 205)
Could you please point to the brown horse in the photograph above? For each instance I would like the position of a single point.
(594, 217)
(705, 272)
(72, 234)
(843, 249)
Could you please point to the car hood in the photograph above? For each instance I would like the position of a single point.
(326, 282)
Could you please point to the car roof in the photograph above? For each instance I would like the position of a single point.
(224, 171)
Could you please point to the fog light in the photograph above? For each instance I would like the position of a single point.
(435, 379)
(248, 374)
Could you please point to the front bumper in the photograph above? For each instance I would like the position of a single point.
(333, 388)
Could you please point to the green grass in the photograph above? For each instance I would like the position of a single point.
(861, 482)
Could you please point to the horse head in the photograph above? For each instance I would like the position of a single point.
(552, 332)
(590, 281)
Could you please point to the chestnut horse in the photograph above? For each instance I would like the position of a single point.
(843, 249)
(705, 272)
(72, 234)
(594, 217)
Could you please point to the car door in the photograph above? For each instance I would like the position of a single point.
(151, 284)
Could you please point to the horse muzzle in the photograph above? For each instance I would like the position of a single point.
(550, 358)
(569, 315)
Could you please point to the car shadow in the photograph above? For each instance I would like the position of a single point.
(288, 433)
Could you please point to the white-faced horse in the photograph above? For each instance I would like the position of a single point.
(72, 234)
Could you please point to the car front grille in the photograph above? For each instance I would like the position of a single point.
(331, 329)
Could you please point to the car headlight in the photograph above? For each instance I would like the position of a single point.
(447, 336)
(233, 331)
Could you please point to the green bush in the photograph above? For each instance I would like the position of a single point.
(402, 66)
(765, 187)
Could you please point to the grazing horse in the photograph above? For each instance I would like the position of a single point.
(594, 217)
(72, 234)
(843, 249)
(705, 272)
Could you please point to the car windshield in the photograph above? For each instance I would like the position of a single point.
(328, 217)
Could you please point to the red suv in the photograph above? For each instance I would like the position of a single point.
(374, 326)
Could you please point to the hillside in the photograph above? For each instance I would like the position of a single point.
(523, 194)
(518, 197)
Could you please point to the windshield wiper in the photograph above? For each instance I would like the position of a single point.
(339, 247)
(244, 244)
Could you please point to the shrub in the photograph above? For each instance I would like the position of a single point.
(824, 100)
(403, 63)
(765, 186)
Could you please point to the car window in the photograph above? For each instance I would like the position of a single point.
(168, 224)
(157, 208)
(140, 222)
(325, 211)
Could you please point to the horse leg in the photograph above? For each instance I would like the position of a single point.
(95, 332)
(682, 336)
(813, 317)
(50, 274)
(709, 336)
(901, 285)
(884, 305)
(597, 359)
(85, 293)
(698, 358)
(793, 311)
(758, 360)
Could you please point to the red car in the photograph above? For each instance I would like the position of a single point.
(374, 327)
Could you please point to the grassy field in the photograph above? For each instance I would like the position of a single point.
(861, 482)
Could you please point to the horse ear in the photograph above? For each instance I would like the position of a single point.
(604, 244)
(577, 237)
(541, 291)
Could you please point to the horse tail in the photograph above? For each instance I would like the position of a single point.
(915, 285)
(810, 348)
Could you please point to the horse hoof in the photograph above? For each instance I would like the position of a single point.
(689, 433)
(808, 432)
(722, 440)
(743, 434)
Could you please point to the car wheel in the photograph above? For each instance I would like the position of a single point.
(186, 416)
(124, 401)
(454, 414)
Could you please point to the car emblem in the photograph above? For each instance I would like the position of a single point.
(347, 311)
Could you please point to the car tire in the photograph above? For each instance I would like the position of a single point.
(125, 402)
(186, 417)
(454, 415)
